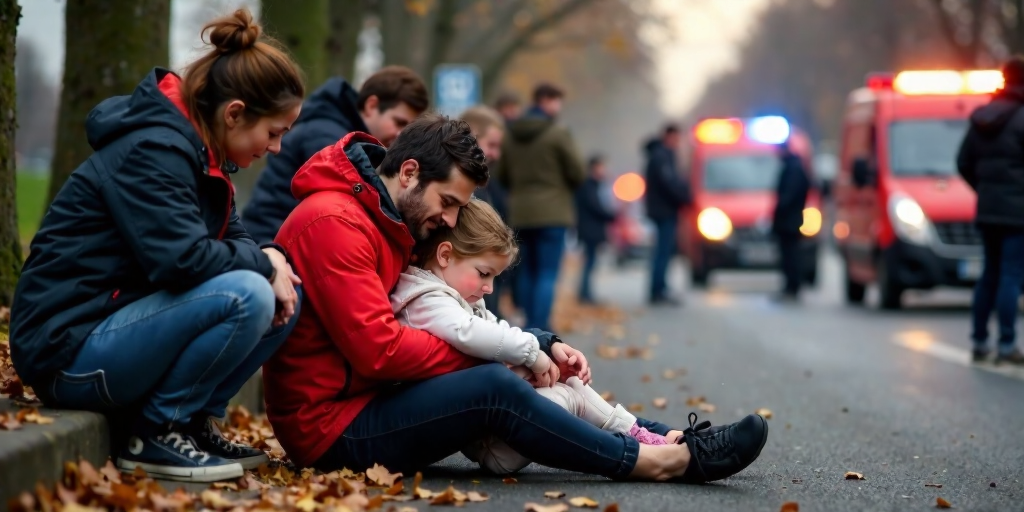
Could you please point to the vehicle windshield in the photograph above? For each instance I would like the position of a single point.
(742, 172)
(925, 147)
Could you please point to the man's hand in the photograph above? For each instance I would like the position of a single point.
(570, 362)
(284, 284)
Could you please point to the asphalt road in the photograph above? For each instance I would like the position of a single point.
(890, 395)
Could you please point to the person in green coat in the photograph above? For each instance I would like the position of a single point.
(541, 169)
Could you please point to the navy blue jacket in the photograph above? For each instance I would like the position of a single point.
(790, 196)
(991, 159)
(592, 215)
(145, 213)
(666, 191)
(328, 115)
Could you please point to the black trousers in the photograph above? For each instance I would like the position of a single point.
(790, 261)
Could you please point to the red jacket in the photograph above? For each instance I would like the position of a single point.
(347, 243)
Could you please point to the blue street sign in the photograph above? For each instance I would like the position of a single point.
(456, 88)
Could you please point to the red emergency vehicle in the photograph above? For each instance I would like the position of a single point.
(734, 167)
(904, 217)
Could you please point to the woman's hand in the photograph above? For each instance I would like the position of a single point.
(284, 284)
(545, 373)
(571, 362)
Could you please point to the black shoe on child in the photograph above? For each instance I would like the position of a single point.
(720, 452)
(209, 438)
(166, 453)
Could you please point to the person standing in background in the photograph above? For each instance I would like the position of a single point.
(593, 214)
(667, 192)
(541, 169)
(790, 200)
(508, 106)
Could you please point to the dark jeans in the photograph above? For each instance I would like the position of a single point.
(664, 249)
(410, 427)
(999, 287)
(540, 258)
(589, 261)
(175, 355)
(789, 261)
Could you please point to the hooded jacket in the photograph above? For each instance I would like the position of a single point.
(667, 191)
(148, 211)
(328, 114)
(991, 159)
(790, 196)
(349, 244)
(540, 168)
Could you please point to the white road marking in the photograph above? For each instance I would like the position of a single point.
(923, 342)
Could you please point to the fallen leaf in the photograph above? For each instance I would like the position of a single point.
(34, 416)
(608, 396)
(937, 486)
(660, 402)
(554, 495)
(694, 401)
(583, 502)
(110, 472)
(941, 503)
(608, 352)
(634, 407)
(668, 374)
(612, 507)
(790, 506)
(536, 507)
(444, 498)
(8, 422)
(616, 332)
(477, 497)
(379, 475)
(396, 489)
(231, 486)
(509, 480)
(706, 407)
(375, 502)
(767, 413)
(215, 500)
(645, 378)
(850, 475)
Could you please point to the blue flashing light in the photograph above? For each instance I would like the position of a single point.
(768, 129)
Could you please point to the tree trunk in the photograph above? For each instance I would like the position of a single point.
(346, 22)
(10, 245)
(110, 47)
(302, 26)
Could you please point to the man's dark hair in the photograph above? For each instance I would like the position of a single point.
(594, 161)
(546, 91)
(437, 143)
(393, 85)
(671, 129)
(1013, 71)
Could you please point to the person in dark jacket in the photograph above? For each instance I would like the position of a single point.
(593, 214)
(991, 160)
(790, 198)
(667, 191)
(388, 101)
(141, 287)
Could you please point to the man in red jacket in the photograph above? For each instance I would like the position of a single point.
(352, 387)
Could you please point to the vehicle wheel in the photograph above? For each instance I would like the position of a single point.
(854, 291)
(889, 291)
(698, 277)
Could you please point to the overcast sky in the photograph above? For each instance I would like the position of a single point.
(704, 36)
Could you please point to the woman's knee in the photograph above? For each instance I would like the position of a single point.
(252, 293)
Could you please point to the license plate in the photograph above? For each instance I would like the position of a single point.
(969, 270)
(759, 254)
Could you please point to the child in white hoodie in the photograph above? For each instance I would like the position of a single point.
(443, 295)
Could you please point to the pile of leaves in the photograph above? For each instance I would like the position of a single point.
(10, 384)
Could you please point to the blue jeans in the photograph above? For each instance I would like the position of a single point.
(999, 287)
(664, 249)
(409, 427)
(176, 355)
(540, 258)
(589, 262)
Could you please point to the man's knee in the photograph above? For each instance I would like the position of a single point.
(497, 380)
(252, 293)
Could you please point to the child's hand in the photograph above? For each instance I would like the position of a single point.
(545, 374)
(571, 362)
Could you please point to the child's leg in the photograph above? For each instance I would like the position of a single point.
(582, 401)
(495, 456)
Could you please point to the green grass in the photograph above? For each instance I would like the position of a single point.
(31, 196)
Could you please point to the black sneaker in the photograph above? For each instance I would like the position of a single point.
(980, 355)
(171, 455)
(1014, 357)
(720, 452)
(208, 437)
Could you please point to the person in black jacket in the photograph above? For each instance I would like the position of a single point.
(141, 288)
(991, 160)
(790, 198)
(667, 191)
(388, 101)
(593, 215)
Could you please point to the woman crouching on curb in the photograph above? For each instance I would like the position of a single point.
(142, 288)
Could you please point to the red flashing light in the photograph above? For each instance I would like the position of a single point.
(880, 81)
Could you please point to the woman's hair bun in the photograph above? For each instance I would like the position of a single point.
(234, 32)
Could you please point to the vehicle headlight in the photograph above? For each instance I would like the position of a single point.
(714, 224)
(812, 222)
(909, 220)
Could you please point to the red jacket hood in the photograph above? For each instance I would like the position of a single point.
(350, 167)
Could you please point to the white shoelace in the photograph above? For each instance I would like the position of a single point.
(183, 445)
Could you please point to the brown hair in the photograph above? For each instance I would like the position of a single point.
(243, 66)
(393, 85)
(478, 231)
(546, 91)
(437, 143)
(481, 118)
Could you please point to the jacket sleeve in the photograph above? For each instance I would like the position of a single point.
(662, 174)
(236, 231)
(339, 267)
(498, 170)
(153, 201)
(441, 315)
(573, 169)
(966, 160)
(590, 202)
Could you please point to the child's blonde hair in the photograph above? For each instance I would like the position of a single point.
(478, 231)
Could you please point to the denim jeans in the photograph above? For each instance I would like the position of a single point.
(664, 249)
(540, 258)
(409, 427)
(589, 262)
(790, 261)
(176, 355)
(999, 287)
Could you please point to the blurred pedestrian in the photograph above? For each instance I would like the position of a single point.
(509, 106)
(790, 199)
(593, 215)
(388, 101)
(489, 129)
(541, 169)
(991, 160)
(666, 193)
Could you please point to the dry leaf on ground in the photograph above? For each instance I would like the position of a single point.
(767, 413)
(608, 352)
(660, 402)
(941, 503)
(851, 475)
(537, 507)
(706, 407)
(608, 396)
(694, 401)
(634, 407)
(477, 497)
(509, 480)
(645, 378)
(612, 507)
(668, 374)
(32, 415)
(554, 495)
(379, 475)
(790, 506)
(583, 502)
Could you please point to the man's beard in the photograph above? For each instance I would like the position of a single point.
(414, 213)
